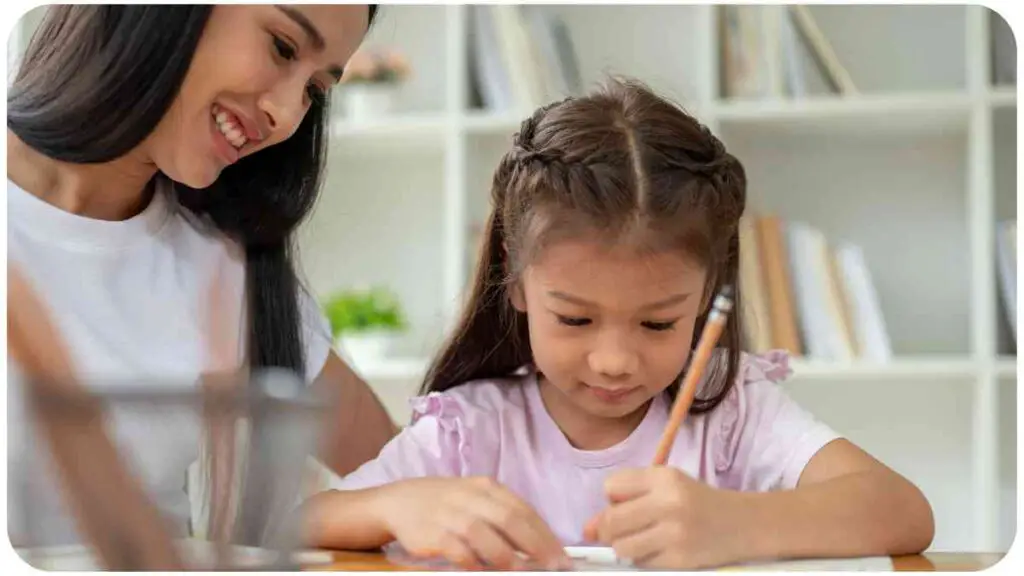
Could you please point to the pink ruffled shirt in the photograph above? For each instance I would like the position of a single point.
(757, 439)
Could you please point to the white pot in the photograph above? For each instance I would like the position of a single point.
(367, 348)
(367, 101)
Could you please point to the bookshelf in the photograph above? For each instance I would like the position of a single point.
(917, 168)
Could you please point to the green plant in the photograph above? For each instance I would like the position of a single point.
(360, 311)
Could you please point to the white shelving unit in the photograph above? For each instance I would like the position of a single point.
(917, 170)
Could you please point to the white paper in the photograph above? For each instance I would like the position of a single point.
(866, 564)
(599, 558)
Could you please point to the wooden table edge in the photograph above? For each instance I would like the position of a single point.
(344, 561)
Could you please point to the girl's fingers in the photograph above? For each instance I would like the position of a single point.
(455, 550)
(640, 547)
(523, 527)
(629, 484)
(486, 542)
(621, 520)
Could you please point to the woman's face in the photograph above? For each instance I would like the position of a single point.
(252, 79)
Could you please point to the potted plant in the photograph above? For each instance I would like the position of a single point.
(370, 82)
(365, 322)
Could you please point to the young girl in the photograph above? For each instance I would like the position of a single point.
(614, 222)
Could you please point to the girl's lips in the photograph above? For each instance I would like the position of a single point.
(611, 395)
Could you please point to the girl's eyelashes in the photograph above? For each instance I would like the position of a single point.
(576, 321)
(572, 321)
(660, 326)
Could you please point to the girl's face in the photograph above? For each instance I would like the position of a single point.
(609, 327)
(254, 74)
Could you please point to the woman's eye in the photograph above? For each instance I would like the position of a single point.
(284, 50)
(571, 321)
(660, 326)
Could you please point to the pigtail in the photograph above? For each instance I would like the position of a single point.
(491, 339)
(726, 181)
(722, 370)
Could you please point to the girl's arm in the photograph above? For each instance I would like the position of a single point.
(417, 492)
(791, 488)
(846, 504)
(346, 520)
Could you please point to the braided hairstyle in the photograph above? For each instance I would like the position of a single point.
(628, 165)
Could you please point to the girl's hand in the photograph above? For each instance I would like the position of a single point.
(471, 522)
(661, 518)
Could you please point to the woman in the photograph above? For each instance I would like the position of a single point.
(156, 151)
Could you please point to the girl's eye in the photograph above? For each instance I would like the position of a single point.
(284, 50)
(569, 321)
(660, 326)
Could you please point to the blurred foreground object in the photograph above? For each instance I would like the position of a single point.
(79, 487)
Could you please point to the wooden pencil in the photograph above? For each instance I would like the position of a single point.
(705, 346)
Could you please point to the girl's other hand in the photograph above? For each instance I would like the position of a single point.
(472, 522)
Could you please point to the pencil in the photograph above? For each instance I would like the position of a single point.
(708, 340)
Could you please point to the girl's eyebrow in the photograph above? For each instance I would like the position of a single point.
(666, 303)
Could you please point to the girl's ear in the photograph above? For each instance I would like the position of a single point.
(517, 297)
(515, 290)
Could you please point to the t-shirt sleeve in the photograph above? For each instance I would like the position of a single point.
(765, 439)
(439, 442)
(316, 334)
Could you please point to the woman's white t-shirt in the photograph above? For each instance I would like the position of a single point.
(129, 300)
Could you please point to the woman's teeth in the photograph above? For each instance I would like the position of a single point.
(229, 128)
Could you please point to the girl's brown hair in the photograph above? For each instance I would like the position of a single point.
(627, 164)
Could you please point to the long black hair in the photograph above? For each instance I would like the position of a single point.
(95, 81)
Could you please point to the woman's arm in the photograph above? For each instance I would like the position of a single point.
(846, 504)
(360, 426)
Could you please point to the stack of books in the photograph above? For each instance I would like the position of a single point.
(801, 293)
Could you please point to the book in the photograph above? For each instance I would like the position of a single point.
(802, 292)
(777, 274)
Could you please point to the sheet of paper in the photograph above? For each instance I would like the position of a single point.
(603, 559)
(867, 564)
